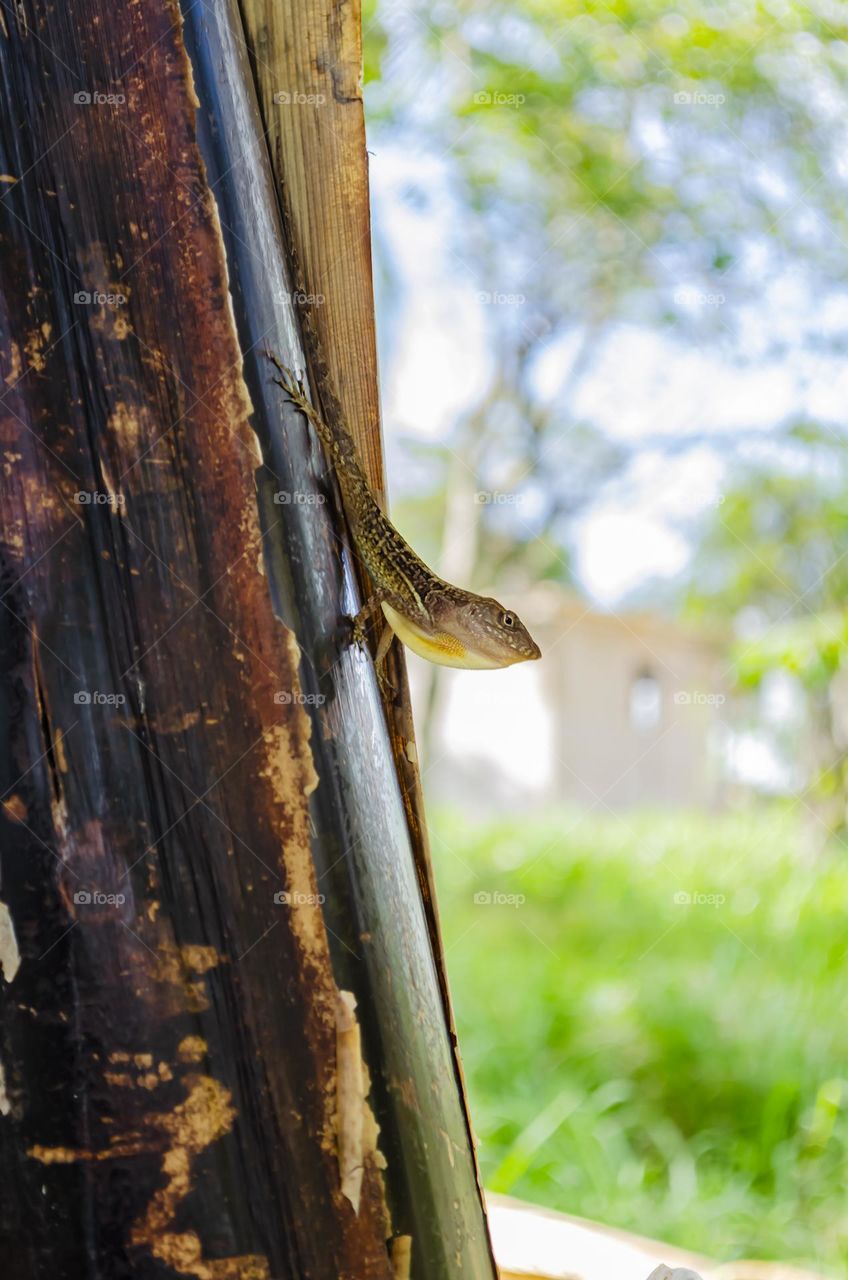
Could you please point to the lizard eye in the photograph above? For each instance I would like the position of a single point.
(508, 620)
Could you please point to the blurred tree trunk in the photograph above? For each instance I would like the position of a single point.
(216, 971)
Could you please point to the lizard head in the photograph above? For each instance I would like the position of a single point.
(490, 635)
(472, 632)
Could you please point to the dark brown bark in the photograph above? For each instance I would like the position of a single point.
(187, 734)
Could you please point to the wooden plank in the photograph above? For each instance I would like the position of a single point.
(532, 1242)
(307, 59)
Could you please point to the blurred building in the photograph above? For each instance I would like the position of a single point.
(624, 710)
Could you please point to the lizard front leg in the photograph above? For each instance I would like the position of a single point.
(359, 637)
(359, 622)
(383, 647)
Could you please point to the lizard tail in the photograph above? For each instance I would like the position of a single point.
(337, 441)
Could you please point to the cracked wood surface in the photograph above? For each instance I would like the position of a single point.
(183, 783)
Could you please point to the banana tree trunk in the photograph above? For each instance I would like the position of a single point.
(224, 1050)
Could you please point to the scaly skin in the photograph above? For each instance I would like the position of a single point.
(442, 623)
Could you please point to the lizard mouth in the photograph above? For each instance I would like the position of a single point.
(443, 647)
(532, 656)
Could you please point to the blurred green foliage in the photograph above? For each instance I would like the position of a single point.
(675, 1069)
(775, 559)
(814, 649)
(608, 161)
(778, 546)
(608, 149)
(678, 1070)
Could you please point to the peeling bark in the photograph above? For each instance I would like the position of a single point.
(197, 850)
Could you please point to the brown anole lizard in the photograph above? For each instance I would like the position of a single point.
(442, 623)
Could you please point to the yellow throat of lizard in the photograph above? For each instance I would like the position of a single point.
(441, 647)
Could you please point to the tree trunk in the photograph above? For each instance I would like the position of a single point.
(211, 929)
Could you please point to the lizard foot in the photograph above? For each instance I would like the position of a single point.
(358, 633)
(387, 689)
(358, 623)
(291, 384)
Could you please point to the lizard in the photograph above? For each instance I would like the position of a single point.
(445, 624)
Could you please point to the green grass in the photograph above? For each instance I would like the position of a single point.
(676, 1070)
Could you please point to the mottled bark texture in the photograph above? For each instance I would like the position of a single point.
(215, 963)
